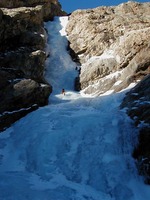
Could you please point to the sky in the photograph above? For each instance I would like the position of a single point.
(71, 5)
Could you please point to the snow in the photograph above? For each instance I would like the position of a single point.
(59, 60)
(43, 85)
(17, 111)
(118, 82)
(76, 148)
(15, 80)
(105, 55)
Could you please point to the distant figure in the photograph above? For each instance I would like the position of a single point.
(63, 91)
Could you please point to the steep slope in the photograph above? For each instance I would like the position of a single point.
(75, 148)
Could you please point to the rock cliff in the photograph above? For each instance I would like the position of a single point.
(107, 40)
(22, 56)
(112, 45)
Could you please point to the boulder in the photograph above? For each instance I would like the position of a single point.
(18, 23)
(29, 63)
(20, 97)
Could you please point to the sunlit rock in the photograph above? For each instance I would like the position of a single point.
(119, 38)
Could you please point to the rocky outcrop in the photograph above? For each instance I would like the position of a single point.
(22, 57)
(110, 39)
(49, 8)
(20, 98)
(137, 104)
(17, 26)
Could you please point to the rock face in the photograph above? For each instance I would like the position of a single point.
(22, 56)
(49, 8)
(107, 40)
(112, 45)
(137, 103)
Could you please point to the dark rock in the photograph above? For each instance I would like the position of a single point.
(3, 81)
(9, 118)
(16, 24)
(49, 8)
(30, 64)
(1, 15)
(137, 103)
(20, 98)
(142, 154)
(22, 56)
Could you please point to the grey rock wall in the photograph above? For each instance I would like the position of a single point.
(22, 57)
